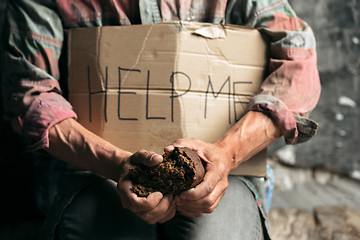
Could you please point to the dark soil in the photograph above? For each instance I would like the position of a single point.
(180, 170)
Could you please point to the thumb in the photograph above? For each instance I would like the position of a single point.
(146, 158)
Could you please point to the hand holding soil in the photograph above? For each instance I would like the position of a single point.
(180, 170)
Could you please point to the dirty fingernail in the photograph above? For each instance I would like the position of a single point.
(156, 158)
(159, 194)
(169, 148)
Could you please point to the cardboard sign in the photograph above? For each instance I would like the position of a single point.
(144, 86)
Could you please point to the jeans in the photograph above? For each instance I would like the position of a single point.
(95, 212)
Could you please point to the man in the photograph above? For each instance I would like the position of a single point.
(88, 206)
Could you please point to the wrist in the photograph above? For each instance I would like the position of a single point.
(77, 146)
(254, 132)
(120, 158)
(228, 145)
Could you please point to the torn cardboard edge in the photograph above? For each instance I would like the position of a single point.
(176, 46)
(121, 71)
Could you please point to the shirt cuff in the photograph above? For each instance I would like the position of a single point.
(295, 129)
(44, 112)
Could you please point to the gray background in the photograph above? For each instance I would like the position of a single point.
(336, 27)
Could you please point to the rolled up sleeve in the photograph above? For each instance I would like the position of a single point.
(30, 82)
(292, 88)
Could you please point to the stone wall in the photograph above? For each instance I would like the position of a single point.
(336, 25)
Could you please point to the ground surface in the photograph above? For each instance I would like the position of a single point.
(336, 25)
(314, 204)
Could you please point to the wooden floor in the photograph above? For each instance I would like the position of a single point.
(310, 204)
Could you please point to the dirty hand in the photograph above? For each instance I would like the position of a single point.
(205, 197)
(155, 207)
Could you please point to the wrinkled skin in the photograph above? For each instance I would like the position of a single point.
(247, 137)
(78, 147)
(205, 197)
(155, 208)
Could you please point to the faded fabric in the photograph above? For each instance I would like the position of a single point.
(34, 76)
(73, 216)
(36, 43)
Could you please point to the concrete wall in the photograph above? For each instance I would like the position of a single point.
(336, 25)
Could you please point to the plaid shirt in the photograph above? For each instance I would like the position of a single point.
(35, 43)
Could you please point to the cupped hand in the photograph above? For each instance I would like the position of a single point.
(205, 197)
(155, 207)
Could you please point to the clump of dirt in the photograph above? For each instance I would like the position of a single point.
(180, 170)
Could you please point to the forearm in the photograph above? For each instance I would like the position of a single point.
(72, 143)
(31, 83)
(254, 132)
(292, 88)
(248, 136)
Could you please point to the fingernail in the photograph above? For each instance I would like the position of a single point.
(169, 148)
(159, 194)
(156, 158)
